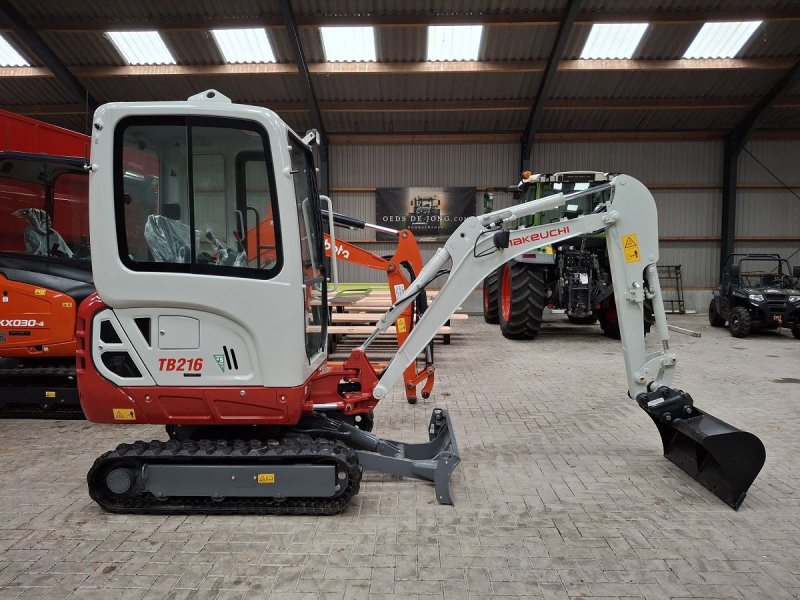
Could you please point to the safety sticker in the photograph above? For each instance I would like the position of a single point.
(401, 325)
(124, 414)
(266, 478)
(399, 288)
(49, 394)
(39, 292)
(66, 304)
(220, 361)
(630, 246)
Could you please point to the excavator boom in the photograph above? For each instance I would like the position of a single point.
(721, 457)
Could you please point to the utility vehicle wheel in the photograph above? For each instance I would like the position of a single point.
(713, 315)
(587, 320)
(796, 332)
(522, 293)
(490, 311)
(740, 322)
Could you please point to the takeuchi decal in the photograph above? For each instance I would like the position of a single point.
(539, 236)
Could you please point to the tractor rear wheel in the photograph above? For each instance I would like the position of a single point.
(740, 322)
(522, 293)
(713, 315)
(490, 311)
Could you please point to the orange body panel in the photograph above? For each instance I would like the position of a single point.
(35, 321)
(407, 251)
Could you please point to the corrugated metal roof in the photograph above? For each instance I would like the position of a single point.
(398, 44)
(663, 84)
(450, 86)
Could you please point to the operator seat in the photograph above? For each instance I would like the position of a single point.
(39, 233)
(167, 239)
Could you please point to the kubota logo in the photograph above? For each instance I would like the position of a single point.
(21, 323)
(340, 250)
(538, 236)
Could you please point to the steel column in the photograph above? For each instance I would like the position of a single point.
(564, 29)
(734, 143)
(311, 98)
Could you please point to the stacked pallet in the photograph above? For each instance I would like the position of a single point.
(356, 313)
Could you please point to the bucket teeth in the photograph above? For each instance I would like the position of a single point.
(723, 458)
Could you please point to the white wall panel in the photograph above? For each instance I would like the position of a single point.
(683, 213)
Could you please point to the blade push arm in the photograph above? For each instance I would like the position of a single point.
(473, 252)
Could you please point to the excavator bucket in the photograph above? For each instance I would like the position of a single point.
(724, 459)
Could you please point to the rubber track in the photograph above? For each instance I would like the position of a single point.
(528, 291)
(491, 285)
(21, 378)
(290, 450)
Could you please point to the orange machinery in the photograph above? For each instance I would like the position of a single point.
(401, 269)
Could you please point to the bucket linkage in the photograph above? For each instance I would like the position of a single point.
(723, 458)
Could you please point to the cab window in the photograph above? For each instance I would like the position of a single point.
(182, 204)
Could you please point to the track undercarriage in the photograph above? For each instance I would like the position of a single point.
(313, 468)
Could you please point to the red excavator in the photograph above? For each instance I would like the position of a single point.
(229, 351)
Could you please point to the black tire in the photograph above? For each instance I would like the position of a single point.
(521, 300)
(796, 332)
(610, 329)
(587, 320)
(740, 322)
(490, 311)
(713, 315)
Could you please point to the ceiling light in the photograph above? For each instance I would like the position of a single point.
(721, 40)
(348, 44)
(141, 47)
(454, 42)
(244, 45)
(613, 40)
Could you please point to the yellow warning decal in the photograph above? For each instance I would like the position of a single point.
(548, 249)
(630, 245)
(266, 478)
(49, 394)
(401, 325)
(66, 304)
(124, 414)
(39, 292)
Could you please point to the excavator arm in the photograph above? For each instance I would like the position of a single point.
(723, 458)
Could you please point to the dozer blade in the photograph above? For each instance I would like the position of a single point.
(724, 459)
(432, 461)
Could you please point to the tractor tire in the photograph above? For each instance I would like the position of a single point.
(740, 322)
(610, 330)
(521, 296)
(490, 310)
(713, 315)
(587, 320)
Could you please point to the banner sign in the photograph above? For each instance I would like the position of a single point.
(430, 213)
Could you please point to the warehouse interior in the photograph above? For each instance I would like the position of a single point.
(565, 464)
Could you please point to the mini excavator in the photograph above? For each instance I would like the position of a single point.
(228, 350)
(43, 279)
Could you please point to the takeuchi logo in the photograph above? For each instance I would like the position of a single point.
(538, 236)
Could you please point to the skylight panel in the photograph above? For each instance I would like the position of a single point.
(244, 45)
(721, 40)
(454, 42)
(9, 57)
(141, 47)
(613, 40)
(348, 44)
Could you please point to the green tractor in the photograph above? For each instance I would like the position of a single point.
(573, 277)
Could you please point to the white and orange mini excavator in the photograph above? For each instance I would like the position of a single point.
(226, 344)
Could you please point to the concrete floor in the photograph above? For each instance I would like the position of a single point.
(562, 493)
